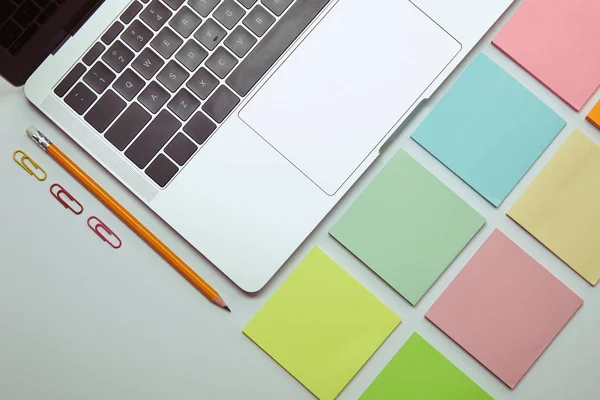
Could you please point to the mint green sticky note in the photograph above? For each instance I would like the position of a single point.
(489, 129)
(407, 226)
(418, 371)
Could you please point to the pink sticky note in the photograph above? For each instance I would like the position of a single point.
(504, 308)
(558, 42)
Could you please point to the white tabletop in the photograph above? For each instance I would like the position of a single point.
(79, 320)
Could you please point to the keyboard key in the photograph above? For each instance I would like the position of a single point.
(131, 12)
(47, 13)
(148, 63)
(73, 76)
(247, 3)
(200, 127)
(173, 76)
(273, 45)
(191, 55)
(162, 170)
(240, 41)
(30, 8)
(277, 6)
(221, 62)
(154, 97)
(111, 34)
(203, 7)
(155, 15)
(23, 39)
(80, 98)
(184, 104)
(129, 84)
(181, 149)
(6, 9)
(259, 21)
(26, 14)
(221, 103)
(93, 54)
(152, 139)
(129, 124)
(229, 13)
(137, 35)
(203, 83)
(104, 112)
(9, 32)
(185, 22)
(166, 43)
(210, 34)
(118, 56)
(174, 4)
(99, 77)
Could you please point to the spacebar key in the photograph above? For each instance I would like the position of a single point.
(274, 44)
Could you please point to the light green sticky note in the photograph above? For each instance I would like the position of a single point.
(407, 226)
(322, 325)
(419, 371)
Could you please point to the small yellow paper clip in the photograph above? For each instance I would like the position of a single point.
(21, 161)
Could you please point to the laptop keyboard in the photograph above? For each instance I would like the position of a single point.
(20, 19)
(161, 78)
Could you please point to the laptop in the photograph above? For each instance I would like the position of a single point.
(241, 123)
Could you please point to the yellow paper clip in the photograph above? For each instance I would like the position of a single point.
(21, 161)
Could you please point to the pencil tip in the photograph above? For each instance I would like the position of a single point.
(227, 308)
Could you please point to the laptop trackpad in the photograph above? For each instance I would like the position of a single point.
(351, 80)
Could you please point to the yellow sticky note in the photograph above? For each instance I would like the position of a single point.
(322, 325)
(561, 208)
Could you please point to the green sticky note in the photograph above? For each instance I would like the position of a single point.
(419, 371)
(407, 226)
(322, 325)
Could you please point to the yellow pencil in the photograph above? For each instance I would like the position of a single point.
(126, 217)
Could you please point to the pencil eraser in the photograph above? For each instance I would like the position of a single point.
(31, 130)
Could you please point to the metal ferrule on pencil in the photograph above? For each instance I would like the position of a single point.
(38, 137)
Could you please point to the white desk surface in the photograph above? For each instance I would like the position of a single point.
(81, 321)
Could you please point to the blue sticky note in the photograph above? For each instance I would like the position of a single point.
(489, 129)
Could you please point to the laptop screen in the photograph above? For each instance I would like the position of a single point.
(30, 30)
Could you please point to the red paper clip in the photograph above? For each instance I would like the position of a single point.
(100, 226)
(65, 198)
